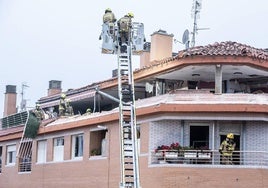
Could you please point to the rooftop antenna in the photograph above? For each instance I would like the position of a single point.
(23, 101)
(196, 8)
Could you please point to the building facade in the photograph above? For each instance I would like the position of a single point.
(192, 99)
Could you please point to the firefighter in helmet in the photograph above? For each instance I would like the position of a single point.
(124, 27)
(38, 112)
(88, 112)
(69, 108)
(109, 19)
(227, 148)
(109, 16)
(62, 105)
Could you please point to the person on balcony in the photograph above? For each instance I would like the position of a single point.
(227, 148)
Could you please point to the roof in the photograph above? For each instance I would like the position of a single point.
(227, 48)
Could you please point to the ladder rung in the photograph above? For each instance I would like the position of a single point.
(128, 162)
(129, 169)
(129, 155)
(129, 176)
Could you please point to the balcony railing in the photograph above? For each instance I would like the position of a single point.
(25, 165)
(257, 159)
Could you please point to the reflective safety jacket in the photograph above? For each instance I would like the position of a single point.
(108, 17)
(227, 148)
(124, 24)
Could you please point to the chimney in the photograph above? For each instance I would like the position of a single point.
(54, 87)
(161, 45)
(10, 100)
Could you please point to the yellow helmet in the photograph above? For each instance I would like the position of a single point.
(108, 10)
(88, 110)
(63, 96)
(130, 14)
(230, 136)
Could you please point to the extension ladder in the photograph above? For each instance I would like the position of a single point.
(127, 122)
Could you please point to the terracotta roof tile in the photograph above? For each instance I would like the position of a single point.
(226, 48)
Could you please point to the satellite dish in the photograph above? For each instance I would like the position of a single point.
(185, 37)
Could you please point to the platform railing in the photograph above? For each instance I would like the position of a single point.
(257, 159)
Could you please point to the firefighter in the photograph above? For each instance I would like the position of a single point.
(124, 26)
(69, 108)
(109, 19)
(88, 112)
(62, 105)
(38, 112)
(226, 149)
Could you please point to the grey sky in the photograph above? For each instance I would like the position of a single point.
(42, 40)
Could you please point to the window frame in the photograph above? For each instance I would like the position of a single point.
(58, 149)
(11, 149)
(77, 142)
(41, 152)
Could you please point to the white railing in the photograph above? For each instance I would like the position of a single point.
(25, 165)
(257, 159)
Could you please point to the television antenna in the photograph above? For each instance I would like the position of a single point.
(23, 101)
(196, 8)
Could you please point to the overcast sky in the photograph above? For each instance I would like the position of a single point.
(43, 40)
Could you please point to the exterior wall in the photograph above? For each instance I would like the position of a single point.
(256, 136)
(161, 45)
(51, 92)
(174, 177)
(164, 132)
(104, 172)
(144, 59)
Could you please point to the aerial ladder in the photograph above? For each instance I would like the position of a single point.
(129, 162)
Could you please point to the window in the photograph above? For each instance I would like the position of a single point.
(11, 155)
(98, 143)
(41, 151)
(24, 155)
(77, 146)
(58, 154)
(199, 137)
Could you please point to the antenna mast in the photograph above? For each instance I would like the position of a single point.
(23, 101)
(196, 15)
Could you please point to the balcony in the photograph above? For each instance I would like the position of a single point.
(243, 159)
(25, 165)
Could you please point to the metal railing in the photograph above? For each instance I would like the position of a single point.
(257, 159)
(25, 165)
